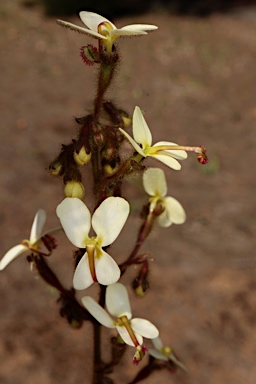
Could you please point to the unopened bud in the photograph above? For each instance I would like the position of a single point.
(82, 157)
(76, 324)
(139, 291)
(109, 153)
(110, 170)
(74, 189)
(140, 284)
(127, 121)
(56, 168)
(201, 155)
(89, 54)
(99, 138)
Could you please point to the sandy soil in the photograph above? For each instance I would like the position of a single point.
(195, 81)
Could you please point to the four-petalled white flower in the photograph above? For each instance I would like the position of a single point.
(27, 245)
(107, 222)
(155, 185)
(106, 32)
(163, 151)
(164, 353)
(131, 330)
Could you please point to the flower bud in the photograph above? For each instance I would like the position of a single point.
(76, 324)
(99, 138)
(56, 168)
(109, 153)
(110, 170)
(74, 189)
(89, 54)
(201, 155)
(82, 157)
(140, 284)
(127, 121)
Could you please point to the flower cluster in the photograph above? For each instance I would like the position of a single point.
(99, 144)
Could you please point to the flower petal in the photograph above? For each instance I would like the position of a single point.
(145, 328)
(82, 277)
(75, 219)
(167, 160)
(157, 355)
(117, 300)
(126, 32)
(157, 342)
(97, 312)
(37, 226)
(141, 131)
(109, 219)
(107, 270)
(178, 154)
(92, 20)
(133, 143)
(126, 337)
(11, 255)
(173, 213)
(154, 182)
(82, 30)
(140, 27)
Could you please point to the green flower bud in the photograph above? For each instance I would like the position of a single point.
(109, 170)
(127, 121)
(74, 189)
(56, 168)
(82, 157)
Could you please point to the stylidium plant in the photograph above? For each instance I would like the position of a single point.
(99, 147)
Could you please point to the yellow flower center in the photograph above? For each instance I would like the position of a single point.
(104, 29)
(32, 247)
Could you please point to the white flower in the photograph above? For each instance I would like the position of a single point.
(163, 151)
(155, 185)
(164, 353)
(102, 29)
(27, 245)
(131, 330)
(107, 222)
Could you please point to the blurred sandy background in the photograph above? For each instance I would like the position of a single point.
(195, 79)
